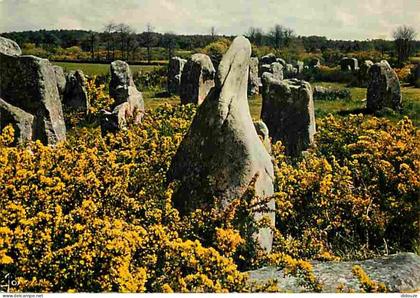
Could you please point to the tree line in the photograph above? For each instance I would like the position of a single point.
(123, 39)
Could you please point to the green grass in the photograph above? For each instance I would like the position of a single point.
(100, 69)
(415, 60)
(152, 100)
(411, 103)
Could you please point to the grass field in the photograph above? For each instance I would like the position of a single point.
(411, 103)
(411, 96)
(101, 69)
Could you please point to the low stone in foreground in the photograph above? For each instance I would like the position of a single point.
(399, 273)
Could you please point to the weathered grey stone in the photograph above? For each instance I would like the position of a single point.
(268, 59)
(274, 68)
(9, 47)
(120, 117)
(197, 79)
(349, 64)
(262, 131)
(417, 76)
(363, 72)
(222, 153)
(299, 66)
(21, 121)
(75, 95)
(277, 70)
(399, 273)
(61, 80)
(281, 61)
(384, 89)
(290, 71)
(175, 67)
(29, 83)
(121, 81)
(128, 107)
(288, 111)
(254, 82)
(265, 68)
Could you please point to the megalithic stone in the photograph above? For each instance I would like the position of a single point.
(384, 90)
(288, 111)
(197, 79)
(175, 67)
(30, 83)
(222, 153)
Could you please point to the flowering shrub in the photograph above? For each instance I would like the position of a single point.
(98, 100)
(366, 284)
(404, 73)
(95, 213)
(154, 80)
(355, 194)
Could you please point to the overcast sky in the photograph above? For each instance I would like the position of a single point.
(337, 19)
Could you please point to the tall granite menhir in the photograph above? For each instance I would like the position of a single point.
(197, 79)
(75, 96)
(288, 111)
(384, 90)
(29, 84)
(254, 81)
(128, 104)
(222, 153)
(175, 67)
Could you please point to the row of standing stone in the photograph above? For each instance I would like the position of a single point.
(221, 154)
(34, 93)
(287, 106)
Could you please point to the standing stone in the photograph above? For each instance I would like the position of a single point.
(21, 121)
(281, 61)
(222, 153)
(29, 83)
(290, 71)
(75, 95)
(264, 68)
(288, 111)
(384, 89)
(175, 67)
(254, 82)
(128, 104)
(299, 66)
(417, 76)
(274, 68)
(9, 47)
(277, 70)
(363, 72)
(197, 79)
(268, 59)
(349, 64)
(61, 80)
